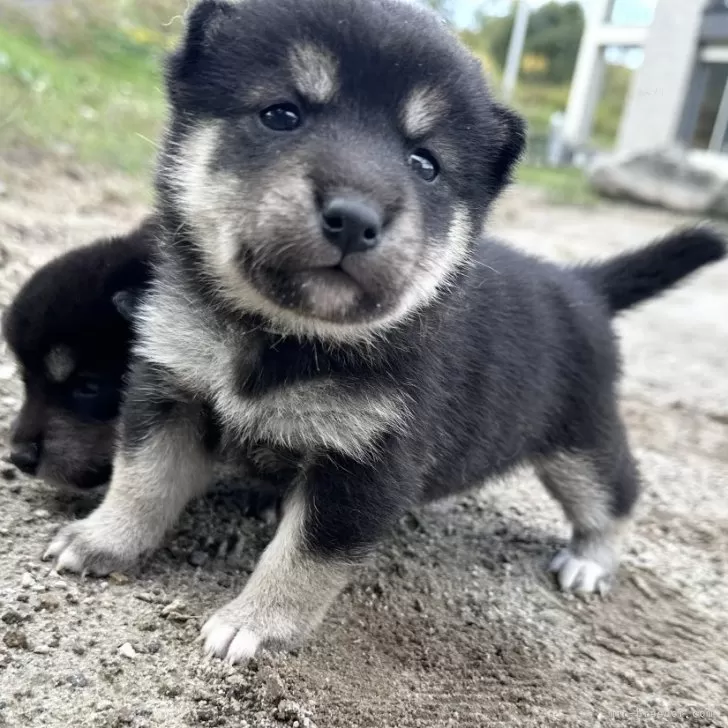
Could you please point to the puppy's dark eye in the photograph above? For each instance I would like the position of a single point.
(424, 165)
(87, 389)
(281, 117)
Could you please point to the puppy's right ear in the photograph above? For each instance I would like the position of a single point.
(189, 67)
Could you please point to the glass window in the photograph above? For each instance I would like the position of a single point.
(633, 12)
(708, 113)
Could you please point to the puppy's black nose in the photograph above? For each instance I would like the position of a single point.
(351, 225)
(25, 456)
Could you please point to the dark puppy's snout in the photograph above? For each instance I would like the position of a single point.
(25, 456)
(351, 225)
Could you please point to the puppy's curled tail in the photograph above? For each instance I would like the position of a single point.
(632, 277)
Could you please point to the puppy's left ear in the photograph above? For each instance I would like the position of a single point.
(191, 78)
(126, 302)
(513, 143)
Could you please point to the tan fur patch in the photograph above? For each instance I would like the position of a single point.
(315, 73)
(59, 363)
(425, 107)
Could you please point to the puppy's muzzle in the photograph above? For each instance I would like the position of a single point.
(25, 456)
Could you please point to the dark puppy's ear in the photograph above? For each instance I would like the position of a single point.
(126, 301)
(126, 285)
(190, 63)
(513, 136)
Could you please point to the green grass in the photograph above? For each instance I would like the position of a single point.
(90, 89)
(101, 107)
(564, 185)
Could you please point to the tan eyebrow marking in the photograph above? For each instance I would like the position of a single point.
(315, 73)
(59, 363)
(424, 108)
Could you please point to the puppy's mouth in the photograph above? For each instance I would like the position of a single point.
(344, 292)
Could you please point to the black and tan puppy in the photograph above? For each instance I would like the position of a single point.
(326, 293)
(70, 331)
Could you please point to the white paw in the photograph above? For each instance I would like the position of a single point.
(242, 627)
(580, 574)
(230, 643)
(87, 547)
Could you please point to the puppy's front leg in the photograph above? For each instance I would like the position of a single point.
(332, 518)
(160, 466)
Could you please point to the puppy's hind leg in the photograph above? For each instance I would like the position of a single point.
(597, 489)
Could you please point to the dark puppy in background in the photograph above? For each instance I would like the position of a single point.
(325, 293)
(70, 331)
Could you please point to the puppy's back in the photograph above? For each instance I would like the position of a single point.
(71, 298)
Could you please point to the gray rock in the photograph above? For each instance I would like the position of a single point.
(687, 181)
(16, 639)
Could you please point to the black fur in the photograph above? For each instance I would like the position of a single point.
(70, 302)
(634, 276)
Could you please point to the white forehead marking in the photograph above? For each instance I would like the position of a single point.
(59, 363)
(315, 73)
(424, 108)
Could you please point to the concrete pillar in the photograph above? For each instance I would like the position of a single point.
(657, 95)
(586, 84)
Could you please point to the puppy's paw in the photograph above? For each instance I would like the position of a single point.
(236, 638)
(87, 547)
(229, 642)
(580, 573)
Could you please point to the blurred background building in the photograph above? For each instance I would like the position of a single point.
(679, 93)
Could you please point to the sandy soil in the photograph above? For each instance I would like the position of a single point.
(455, 622)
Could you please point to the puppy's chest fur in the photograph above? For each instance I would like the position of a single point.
(278, 393)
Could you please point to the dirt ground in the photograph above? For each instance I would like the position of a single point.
(455, 623)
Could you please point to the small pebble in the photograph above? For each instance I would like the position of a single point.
(287, 709)
(175, 606)
(197, 558)
(126, 650)
(41, 650)
(275, 688)
(11, 617)
(49, 602)
(41, 513)
(27, 581)
(16, 639)
(78, 680)
(170, 691)
(118, 578)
